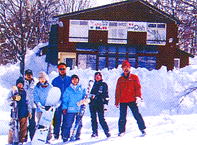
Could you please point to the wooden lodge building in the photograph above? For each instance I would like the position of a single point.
(104, 36)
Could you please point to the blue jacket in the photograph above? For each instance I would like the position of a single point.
(40, 94)
(62, 82)
(71, 97)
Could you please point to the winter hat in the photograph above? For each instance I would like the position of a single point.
(126, 63)
(20, 80)
(28, 72)
(97, 73)
(42, 74)
(74, 76)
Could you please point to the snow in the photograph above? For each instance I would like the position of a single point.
(170, 117)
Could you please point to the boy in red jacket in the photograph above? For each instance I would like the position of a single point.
(128, 89)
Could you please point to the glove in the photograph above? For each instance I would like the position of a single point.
(92, 97)
(140, 102)
(16, 98)
(64, 111)
(105, 107)
(47, 108)
(40, 106)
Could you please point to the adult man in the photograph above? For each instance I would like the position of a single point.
(128, 89)
(29, 85)
(62, 81)
(99, 98)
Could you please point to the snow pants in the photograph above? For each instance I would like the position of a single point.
(68, 120)
(23, 130)
(94, 109)
(32, 124)
(123, 113)
(57, 120)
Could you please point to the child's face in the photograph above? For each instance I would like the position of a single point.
(42, 80)
(75, 81)
(20, 85)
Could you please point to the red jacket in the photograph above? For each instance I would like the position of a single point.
(127, 89)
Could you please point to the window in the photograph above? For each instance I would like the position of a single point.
(112, 62)
(87, 61)
(148, 62)
(102, 63)
(177, 62)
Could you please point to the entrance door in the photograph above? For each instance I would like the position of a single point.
(70, 62)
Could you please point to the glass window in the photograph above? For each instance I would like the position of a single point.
(112, 62)
(122, 49)
(112, 49)
(121, 59)
(147, 49)
(131, 50)
(132, 61)
(102, 49)
(148, 62)
(87, 61)
(177, 62)
(102, 63)
(86, 47)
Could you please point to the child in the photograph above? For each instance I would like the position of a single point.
(40, 95)
(72, 95)
(22, 108)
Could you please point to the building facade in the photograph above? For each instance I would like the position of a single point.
(102, 37)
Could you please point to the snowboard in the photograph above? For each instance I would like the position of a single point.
(82, 105)
(13, 137)
(53, 98)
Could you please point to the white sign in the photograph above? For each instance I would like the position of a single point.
(156, 34)
(78, 31)
(137, 26)
(98, 25)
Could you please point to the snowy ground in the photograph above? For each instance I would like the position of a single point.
(169, 117)
(162, 130)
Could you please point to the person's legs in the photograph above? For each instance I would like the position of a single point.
(103, 122)
(122, 118)
(78, 120)
(94, 121)
(32, 125)
(138, 117)
(67, 124)
(57, 122)
(23, 129)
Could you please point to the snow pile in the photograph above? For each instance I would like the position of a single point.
(160, 88)
(163, 92)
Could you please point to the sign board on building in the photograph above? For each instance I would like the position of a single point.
(117, 30)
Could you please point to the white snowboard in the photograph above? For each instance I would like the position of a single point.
(53, 99)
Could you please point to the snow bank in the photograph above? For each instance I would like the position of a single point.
(159, 87)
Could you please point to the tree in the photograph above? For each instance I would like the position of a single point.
(67, 6)
(186, 11)
(23, 25)
(15, 28)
